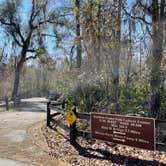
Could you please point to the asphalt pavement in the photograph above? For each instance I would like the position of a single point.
(7, 162)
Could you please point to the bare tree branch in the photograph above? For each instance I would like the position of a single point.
(49, 35)
(136, 17)
(32, 57)
(15, 39)
(146, 9)
(31, 50)
(19, 33)
(5, 23)
(32, 16)
(17, 29)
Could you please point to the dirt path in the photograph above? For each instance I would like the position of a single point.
(18, 132)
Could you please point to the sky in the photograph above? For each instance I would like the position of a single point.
(25, 10)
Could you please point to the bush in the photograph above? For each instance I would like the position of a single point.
(134, 100)
(85, 97)
(163, 105)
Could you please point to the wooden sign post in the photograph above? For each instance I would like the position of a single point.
(132, 131)
(71, 118)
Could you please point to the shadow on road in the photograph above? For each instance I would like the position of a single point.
(31, 107)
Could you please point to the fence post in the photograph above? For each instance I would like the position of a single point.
(48, 114)
(63, 104)
(73, 130)
(7, 103)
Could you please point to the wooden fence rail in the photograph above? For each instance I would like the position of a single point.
(54, 106)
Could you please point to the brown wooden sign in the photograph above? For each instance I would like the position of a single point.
(132, 131)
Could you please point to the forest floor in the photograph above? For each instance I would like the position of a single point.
(21, 138)
(88, 152)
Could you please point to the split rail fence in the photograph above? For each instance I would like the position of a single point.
(58, 108)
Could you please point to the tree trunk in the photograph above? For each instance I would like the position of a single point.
(129, 58)
(115, 61)
(78, 31)
(16, 80)
(99, 37)
(18, 68)
(157, 54)
(92, 39)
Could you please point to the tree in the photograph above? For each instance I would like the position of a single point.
(155, 10)
(158, 18)
(99, 35)
(24, 35)
(115, 57)
(78, 33)
(102, 33)
(2, 54)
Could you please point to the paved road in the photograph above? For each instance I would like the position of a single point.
(7, 162)
(16, 135)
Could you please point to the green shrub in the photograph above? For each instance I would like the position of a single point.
(134, 100)
(163, 105)
(85, 97)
